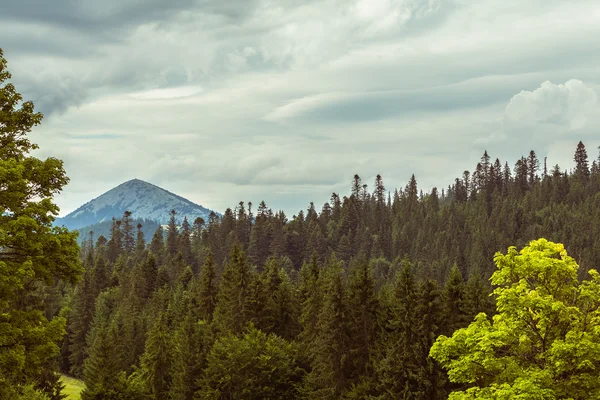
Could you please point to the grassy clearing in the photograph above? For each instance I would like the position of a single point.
(73, 387)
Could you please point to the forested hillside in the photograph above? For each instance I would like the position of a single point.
(341, 302)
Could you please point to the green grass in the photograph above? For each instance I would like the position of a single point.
(73, 387)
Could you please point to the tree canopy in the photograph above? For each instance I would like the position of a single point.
(33, 254)
(544, 340)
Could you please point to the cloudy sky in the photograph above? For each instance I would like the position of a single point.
(284, 100)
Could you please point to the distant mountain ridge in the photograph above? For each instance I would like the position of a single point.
(144, 200)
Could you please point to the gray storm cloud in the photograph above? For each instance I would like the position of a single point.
(285, 100)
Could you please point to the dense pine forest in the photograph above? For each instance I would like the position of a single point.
(345, 301)
(341, 302)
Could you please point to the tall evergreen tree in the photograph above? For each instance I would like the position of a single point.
(80, 323)
(582, 170)
(102, 367)
(533, 165)
(157, 244)
(329, 377)
(172, 235)
(396, 371)
(207, 293)
(430, 316)
(232, 311)
(185, 244)
(115, 243)
(454, 292)
(157, 359)
(127, 233)
(191, 343)
(140, 241)
(363, 308)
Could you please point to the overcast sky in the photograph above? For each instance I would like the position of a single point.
(228, 100)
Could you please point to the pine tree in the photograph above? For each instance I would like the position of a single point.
(477, 297)
(232, 311)
(185, 244)
(311, 300)
(197, 231)
(115, 243)
(157, 244)
(430, 311)
(127, 233)
(329, 377)
(269, 284)
(396, 371)
(191, 343)
(157, 359)
(287, 309)
(454, 292)
(533, 165)
(100, 276)
(207, 294)
(140, 242)
(582, 170)
(101, 368)
(172, 235)
(147, 281)
(356, 187)
(363, 307)
(80, 323)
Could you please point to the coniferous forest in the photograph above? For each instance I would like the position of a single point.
(344, 300)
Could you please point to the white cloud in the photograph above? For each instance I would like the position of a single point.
(572, 105)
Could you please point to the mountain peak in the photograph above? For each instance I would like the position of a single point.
(143, 199)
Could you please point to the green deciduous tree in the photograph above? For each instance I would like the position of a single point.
(544, 341)
(33, 254)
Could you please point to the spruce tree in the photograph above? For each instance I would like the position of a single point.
(454, 292)
(533, 165)
(232, 311)
(172, 235)
(269, 284)
(79, 323)
(115, 243)
(363, 307)
(311, 292)
(397, 375)
(431, 381)
(582, 170)
(127, 233)
(191, 343)
(156, 363)
(207, 289)
(287, 309)
(331, 361)
(157, 245)
(185, 244)
(140, 241)
(102, 367)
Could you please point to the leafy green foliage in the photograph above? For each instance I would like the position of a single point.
(256, 366)
(542, 343)
(33, 254)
